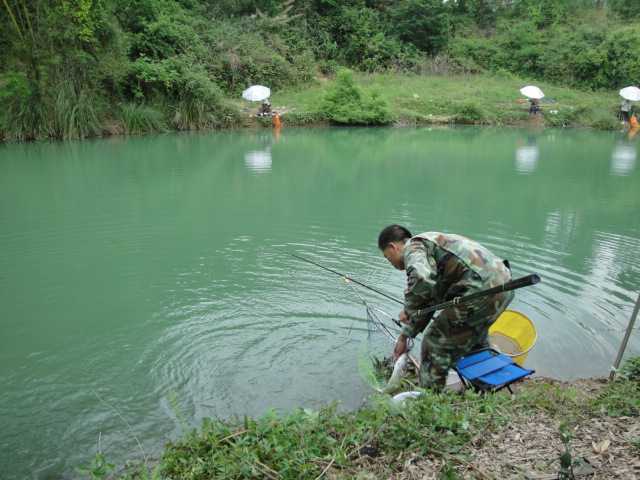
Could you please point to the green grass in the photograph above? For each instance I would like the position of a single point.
(139, 119)
(483, 99)
(303, 444)
(479, 99)
(76, 114)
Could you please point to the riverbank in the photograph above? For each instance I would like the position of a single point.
(547, 427)
(483, 99)
(408, 100)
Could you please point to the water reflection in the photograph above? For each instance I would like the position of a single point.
(623, 158)
(258, 161)
(527, 157)
(170, 317)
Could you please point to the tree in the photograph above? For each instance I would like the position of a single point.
(424, 23)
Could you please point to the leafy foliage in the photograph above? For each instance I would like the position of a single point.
(137, 119)
(427, 24)
(346, 103)
(185, 57)
(302, 443)
(622, 397)
(631, 369)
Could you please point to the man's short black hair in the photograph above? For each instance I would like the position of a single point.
(392, 233)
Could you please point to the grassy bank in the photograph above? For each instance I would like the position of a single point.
(546, 430)
(464, 99)
(363, 99)
(73, 70)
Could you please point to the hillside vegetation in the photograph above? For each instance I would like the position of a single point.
(81, 68)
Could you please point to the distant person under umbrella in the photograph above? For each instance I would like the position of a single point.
(629, 94)
(534, 108)
(625, 110)
(265, 108)
(534, 94)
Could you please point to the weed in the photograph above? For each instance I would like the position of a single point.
(566, 459)
(631, 369)
(137, 119)
(98, 469)
(619, 398)
(75, 114)
(470, 112)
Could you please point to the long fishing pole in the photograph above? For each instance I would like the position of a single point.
(525, 281)
(348, 278)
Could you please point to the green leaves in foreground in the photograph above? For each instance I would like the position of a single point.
(298, 445)
(303, 443)
(622, 396)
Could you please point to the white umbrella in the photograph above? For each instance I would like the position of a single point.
(256, 93)
(531, 91)
(631, 93)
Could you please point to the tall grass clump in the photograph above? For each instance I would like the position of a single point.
(345, 103)
(75, 114)
(138, 119)
(198, 100)
(24, 115)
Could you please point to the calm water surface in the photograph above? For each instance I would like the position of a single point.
(144, 283)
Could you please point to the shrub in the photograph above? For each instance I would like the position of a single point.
(423, 23)
(566, 116)
(24, 115)
(345, 103)
(625, 8)
(620, 398)
(470, 112)
(631, 369)
(195, 100)
(76, 114)
(138, 119)
(302, 118)
(240, 53)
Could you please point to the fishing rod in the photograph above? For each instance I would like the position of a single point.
(525, 281)
(348, 278)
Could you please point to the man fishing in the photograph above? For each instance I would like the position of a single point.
(441, 267)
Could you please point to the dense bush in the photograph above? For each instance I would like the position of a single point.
(346, 103)
(470, 112)
(625, 8)
(427, 24)
(594, 55)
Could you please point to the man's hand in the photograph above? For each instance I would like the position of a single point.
(403, 317)
(400, 348)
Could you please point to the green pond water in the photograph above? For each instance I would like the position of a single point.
(144, 282)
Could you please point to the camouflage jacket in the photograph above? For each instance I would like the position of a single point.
(442, 266)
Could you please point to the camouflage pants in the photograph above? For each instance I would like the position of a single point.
(456, 332)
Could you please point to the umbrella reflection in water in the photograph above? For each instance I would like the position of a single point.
(258, 161)
(623, 159)
(527, 157)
